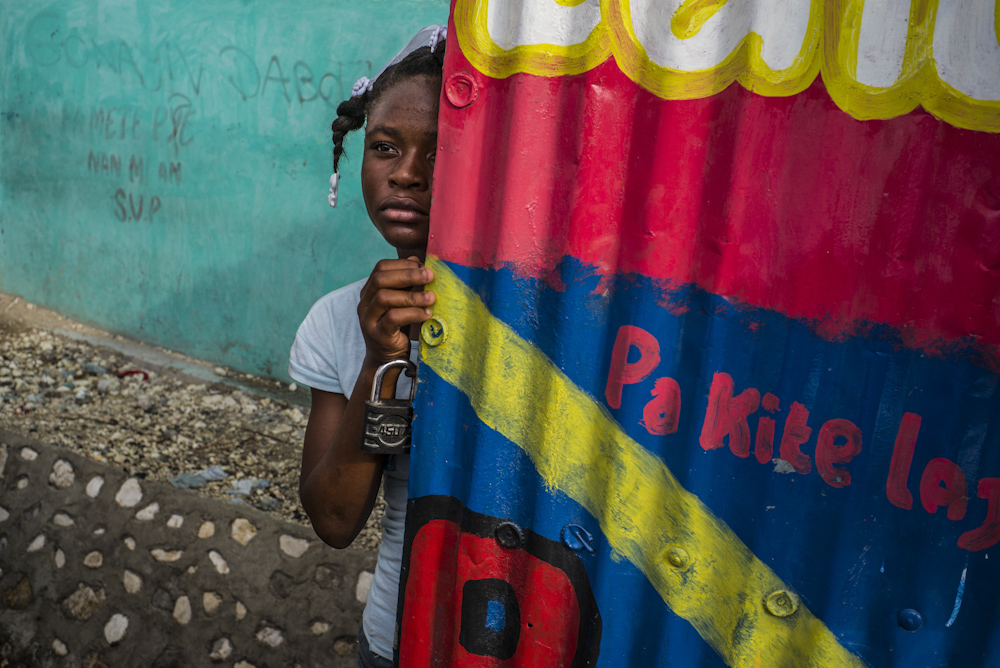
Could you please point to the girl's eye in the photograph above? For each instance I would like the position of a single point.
(382, 147)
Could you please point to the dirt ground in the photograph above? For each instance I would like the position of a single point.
(154, 421)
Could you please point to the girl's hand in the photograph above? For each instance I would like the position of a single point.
(390, 304)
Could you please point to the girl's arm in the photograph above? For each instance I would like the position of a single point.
(339, 481)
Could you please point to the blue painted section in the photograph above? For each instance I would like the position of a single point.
(164, 164)
(856, 559)
(496, 616)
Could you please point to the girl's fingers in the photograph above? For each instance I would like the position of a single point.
(387, 337)
(394, 320)
(408, 272)
(399, 278)
(390, 299)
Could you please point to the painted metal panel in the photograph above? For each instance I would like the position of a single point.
(712, 378)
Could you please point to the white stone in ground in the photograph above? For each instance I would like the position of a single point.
(129, 542)
(28, 455)
(115, 629)
(364, 586)
(182, 610)
(222, 649)
(132, 581)
(129, 494)
(192, 569)
(63, 520)
(243, 664)
(4, 514)
(344, 647)
(206, 530)
(148, 513)
(175, 521)
(319, 628)
(99, 531)
(213, 400)
(62, 475)
(293, 547)
(220, 563)
(60, 558)
(22, 482)
(167, 556)
(94, 486)
(59, 648)
(241, 611)
(83, 602)
(37, 544)
(210, 601)
(270, 636)
(93, 559)
(242, 531)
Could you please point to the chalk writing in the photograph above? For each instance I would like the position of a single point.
(175, 66)
(127, 205)
(104, 164)
(167, 123)
(135, 206)
(170, 172)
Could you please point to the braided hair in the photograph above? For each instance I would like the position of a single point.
(351, 113)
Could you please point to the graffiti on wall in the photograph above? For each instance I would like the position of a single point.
(138, 140)
(180, 63)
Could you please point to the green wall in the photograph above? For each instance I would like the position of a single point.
(164, 164)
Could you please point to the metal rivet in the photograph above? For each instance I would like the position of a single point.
(781, 603)
(678, 558)
(509, 535)
(577, 538)
(461, 89)
(910, 619)
(432, 332)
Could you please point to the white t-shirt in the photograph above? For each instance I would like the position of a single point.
(328, 353)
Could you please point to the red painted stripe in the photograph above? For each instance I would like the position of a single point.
(784, 203)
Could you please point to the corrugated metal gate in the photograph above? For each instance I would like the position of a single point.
(713, 375)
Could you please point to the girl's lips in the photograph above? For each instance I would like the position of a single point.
(403, 215)
(402, 210)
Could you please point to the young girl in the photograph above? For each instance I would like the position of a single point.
(349, 333)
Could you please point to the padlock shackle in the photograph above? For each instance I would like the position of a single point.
(394, 364)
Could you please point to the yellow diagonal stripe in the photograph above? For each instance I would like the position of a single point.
(643, 510)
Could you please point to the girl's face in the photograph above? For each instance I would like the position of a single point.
(398, 163)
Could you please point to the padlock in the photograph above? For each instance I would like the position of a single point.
(387, 421)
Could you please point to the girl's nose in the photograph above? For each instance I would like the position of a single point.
(410, 172)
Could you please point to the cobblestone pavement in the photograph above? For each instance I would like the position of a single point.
(105, 562)
(154, 422)
(98, 568)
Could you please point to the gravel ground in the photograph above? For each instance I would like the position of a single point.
(154, 423)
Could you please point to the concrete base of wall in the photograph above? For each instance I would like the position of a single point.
(100, 570)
